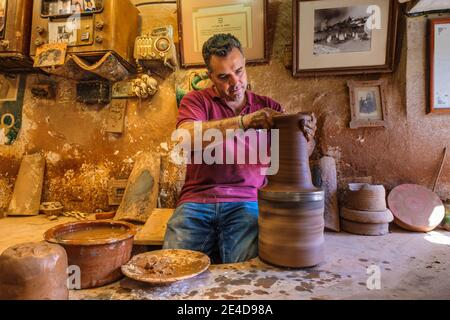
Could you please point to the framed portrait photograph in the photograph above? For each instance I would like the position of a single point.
(439, 65)
(200, 19)
(333, 37)
(49, 55)
(367, 103)
(3, 10)
(77, 6)
(89, 6)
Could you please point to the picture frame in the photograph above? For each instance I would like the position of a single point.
(62, 32)
(368, 103)
(439, 65)
(200, 19)
(338, 37)
(9, 87)
(3, 10)
(49, 55)
(65, 8)
(89, 6)
(77, 6)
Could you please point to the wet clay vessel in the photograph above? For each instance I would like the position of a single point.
(34, 271)
(291, 209)
(99, 248)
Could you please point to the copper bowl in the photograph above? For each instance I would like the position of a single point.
(98, 256)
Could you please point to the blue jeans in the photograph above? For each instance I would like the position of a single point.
(231, 228)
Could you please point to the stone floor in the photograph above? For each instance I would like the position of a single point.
(409, 265)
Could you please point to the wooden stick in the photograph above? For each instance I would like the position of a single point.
(440, 169)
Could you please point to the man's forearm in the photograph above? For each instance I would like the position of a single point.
(221, 125)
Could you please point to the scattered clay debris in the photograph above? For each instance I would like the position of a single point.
(75, 214)
(260, 292)
(157, 265)
(266, 282)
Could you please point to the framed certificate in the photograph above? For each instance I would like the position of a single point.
(200, 19)
(439, 53)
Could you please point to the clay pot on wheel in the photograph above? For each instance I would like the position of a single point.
(291, 209)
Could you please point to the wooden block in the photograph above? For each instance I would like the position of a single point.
(116, 116)
(141, 194)
(329, 185)
(154, 230)
(26, 197)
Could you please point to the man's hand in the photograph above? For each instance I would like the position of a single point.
(261, 119)
(309, 127)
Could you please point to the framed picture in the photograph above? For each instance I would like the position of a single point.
(367, 103)
(64, 7)
(89, 6)
(9, 87)
(77, 6)
(49, 55)
(333, 37)
(200, 19)
(2, 18)
(439, 65)
(62, 32)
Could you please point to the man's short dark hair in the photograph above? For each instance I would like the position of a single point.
(220, 45)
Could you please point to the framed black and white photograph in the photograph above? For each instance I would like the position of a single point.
(344, 37)
(62, 32)
(439, 65)
(367, 103)
(200, 19)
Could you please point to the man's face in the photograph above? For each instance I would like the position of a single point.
(229, 75)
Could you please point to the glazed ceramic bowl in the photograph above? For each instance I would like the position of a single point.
(98, 248)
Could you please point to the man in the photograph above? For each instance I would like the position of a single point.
(218, 204)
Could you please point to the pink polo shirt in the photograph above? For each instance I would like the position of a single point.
(221, 182)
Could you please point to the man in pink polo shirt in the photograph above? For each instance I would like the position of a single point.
(218, 209)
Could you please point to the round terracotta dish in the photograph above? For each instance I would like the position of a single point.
(416, 208)
(98, 248)
(166, 266)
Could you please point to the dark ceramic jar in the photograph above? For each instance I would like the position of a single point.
(291, 209)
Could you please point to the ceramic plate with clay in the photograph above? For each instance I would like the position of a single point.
(416, 208)
(166, 266)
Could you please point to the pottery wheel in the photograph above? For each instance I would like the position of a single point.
(416, 208)
(166, 266)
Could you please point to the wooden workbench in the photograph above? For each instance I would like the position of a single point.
(15, 230)
(152, 233)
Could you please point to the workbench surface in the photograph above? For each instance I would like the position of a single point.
(411, 266)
